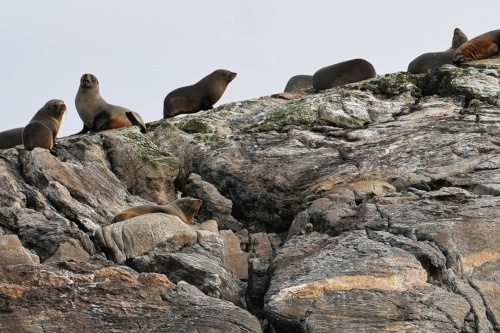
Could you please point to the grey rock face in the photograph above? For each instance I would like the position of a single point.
(368, 207)
(101, 297)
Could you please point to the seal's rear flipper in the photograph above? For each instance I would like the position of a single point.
(134, 121)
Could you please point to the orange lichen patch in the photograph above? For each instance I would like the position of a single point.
(155, 279)
(399, 282)
(116, 273)
(11, 290)
(472, 261)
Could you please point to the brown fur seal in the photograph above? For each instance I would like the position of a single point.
(184, 208)
(299, 82)
(199, 96)
(432, 60)
(43, 128)
(11, 138)
(481, 47)
(97, 114)
(343, 73)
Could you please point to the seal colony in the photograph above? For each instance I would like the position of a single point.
(184, 208)
(200, 96)
(98, 115)
(432, 60)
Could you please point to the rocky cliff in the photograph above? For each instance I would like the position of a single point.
(365, 208)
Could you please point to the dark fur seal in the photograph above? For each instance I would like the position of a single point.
(299, 82)
(97, 114)
(343, 73)
(199, 96)
(11, 138)
(184, 208)
(481, 47)
(432, 60)
(43, 128)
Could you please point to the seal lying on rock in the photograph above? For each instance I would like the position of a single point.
(432, 60)
(97, 114)
(11, 138)
(43, 128)
(481, 47)
(299, 82)
(199, 96)
(184, 208)
(343, 73)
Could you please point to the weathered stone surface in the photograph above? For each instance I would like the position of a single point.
(314, 288)
(206, 273)
(236, 259)
(136, 236)
(387, 189)
(101, 297)
(13, 253)
(215, 206)
(71, 250)
(147, 171)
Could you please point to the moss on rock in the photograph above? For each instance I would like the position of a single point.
(150, 152)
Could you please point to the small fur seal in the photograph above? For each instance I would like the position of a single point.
(432, 60)
(97, 114)
(199, 96)
(184, 208)
(11, 138)
(481, 47)
(43, 128)
(343, 73)
(299, 82)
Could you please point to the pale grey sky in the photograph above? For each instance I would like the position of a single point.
(142, 50)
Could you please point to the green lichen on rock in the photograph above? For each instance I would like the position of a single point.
(470, 82)
(389, 84)
(209, 138)
(195, 125)
(335, 107)
(478, 107)
(150, 152)
(297, 112)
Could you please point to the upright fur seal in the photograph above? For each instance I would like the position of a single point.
(97, 114)
(184, 208)
(43, 128)
(432, 60)
(199, 96)
(343, 73)
(480, 47)
(11, 138)
(299, 82)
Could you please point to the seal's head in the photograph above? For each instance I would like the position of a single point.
(55, 108)
(226, 75)
(88, 81)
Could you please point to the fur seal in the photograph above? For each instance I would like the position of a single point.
(432, 60)
(343, 73)
(481, 47)
(97, 114)
(184, 208)
(11, 138)
(199, 96)
(44, 126)
(299, 82)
